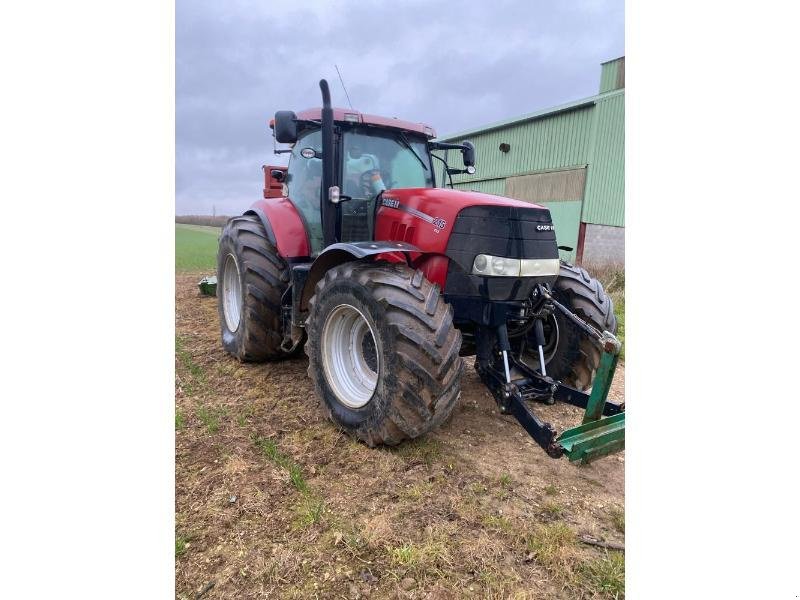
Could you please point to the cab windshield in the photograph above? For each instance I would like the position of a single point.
(375, 160)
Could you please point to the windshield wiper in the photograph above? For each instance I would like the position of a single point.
(403, 141)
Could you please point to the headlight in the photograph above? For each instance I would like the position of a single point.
(539, 267)
(499, 266)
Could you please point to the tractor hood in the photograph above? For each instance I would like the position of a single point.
(431, 214)
(449, 202)
(461, 225)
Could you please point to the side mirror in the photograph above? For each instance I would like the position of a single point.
(285, 127)
(468, 152)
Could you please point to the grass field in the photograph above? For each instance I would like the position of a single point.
(196, 248)
(273, 501)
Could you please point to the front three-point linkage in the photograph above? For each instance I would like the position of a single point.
(514, 385)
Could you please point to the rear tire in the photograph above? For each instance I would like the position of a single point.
(573, 359)
(383, 351)
(251, 278)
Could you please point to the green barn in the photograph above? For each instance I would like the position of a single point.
(570, 158)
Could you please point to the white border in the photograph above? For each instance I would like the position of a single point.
(87, 447)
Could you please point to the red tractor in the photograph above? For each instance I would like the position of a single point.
(390, 280)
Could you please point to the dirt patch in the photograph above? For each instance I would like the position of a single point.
(273, 501)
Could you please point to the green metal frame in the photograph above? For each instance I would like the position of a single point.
(597, 436)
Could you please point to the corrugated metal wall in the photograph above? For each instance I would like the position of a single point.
(552, 142)
(604, 202)
(612, 75)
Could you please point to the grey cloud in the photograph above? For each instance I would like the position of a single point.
(454, 66)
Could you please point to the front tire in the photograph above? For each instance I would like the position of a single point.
(569, 355)
(383, 351)
(251, 278)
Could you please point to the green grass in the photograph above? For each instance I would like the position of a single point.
(618, 519)
(426, 557)
(270, 449)
(606, 575)
(553, 509)
(406, 555)
(296, 477)
(195, 377)
(550, 543)
(196, 248)
(424, 450)
(209, 418)
(310, 508)
(308, 511)
(180, 421)
(498, 523)
(180, 546)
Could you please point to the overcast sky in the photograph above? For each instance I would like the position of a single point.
(453, 65)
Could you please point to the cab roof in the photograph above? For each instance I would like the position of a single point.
(346, 115)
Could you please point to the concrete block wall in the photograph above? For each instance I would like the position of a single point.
(604, 245)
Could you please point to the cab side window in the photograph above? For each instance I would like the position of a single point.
(304, 179)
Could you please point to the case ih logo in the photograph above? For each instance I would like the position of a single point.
(437, 222)
(545, 228)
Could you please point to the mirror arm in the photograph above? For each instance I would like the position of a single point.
(445, 146)
(275, 146)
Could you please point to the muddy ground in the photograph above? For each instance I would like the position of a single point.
(272, 501)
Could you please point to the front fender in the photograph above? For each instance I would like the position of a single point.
(337, 254)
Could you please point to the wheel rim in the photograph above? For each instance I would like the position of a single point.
(231, 293)
(349, 356)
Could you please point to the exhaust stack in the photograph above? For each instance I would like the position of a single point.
(328, 209)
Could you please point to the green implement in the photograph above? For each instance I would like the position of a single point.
(208, 286)
(597, 436)
(594, 439)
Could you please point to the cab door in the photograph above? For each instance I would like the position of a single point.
(304, 179)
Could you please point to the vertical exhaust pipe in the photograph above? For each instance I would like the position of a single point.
(327, 208)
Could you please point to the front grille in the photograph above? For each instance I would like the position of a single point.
(503, 231)
(509, 231)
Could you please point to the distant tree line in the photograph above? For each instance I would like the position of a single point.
(218, 221)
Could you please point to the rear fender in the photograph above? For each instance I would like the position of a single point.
(284, 226)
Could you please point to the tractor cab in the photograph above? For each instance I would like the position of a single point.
(370, 155)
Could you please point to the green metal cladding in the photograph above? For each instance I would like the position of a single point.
(545, 143)
(588, 133)
(604, 199)
(612, 75)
